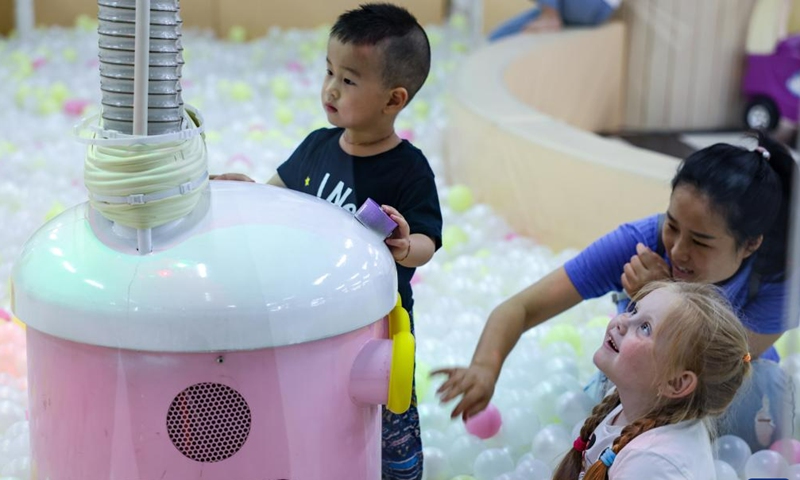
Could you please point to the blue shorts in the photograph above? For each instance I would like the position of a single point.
(401, 446)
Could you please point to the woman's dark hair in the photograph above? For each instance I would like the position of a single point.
(752, 191)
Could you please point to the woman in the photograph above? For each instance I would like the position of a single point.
(726, 225)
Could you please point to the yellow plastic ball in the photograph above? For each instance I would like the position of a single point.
(563, 333)
(421, 108)
(459, 198)
(241, 92)
(59, 92)
(601, 322)
(281, 88)
(70, 54)
(55, 209)
(459, 21)
(453, 236)
(422, 379)
(284, 115)
(85, 23)
(48, 106)
(237, 34)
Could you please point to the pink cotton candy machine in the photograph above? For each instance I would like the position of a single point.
(256, 341)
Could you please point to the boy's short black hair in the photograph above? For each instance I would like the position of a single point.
(401, 39)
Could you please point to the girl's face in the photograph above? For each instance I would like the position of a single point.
(627, 355)
(697, 240)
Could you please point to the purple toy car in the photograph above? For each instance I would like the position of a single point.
(771, 85)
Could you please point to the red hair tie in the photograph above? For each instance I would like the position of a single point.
(579, 444)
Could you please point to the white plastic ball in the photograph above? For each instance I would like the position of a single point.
(725, 471)
(732, 450)
(766, 464)
(551, 444)
(491, 463)
(435, 465)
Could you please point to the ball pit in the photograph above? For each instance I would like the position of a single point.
(271, 82)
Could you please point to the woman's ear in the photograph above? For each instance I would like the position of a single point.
(752, 245)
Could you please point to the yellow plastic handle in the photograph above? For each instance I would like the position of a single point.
(401, 375)
(399, 321)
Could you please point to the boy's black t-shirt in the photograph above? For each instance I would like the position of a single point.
(400, 177)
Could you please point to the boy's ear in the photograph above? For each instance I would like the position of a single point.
(398, 98)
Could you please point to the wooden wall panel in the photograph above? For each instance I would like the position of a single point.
(685, 63)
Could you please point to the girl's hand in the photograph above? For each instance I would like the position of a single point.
(646, 266)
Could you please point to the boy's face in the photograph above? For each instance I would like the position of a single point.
(353, 93)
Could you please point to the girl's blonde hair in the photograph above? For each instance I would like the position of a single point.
(700, 334)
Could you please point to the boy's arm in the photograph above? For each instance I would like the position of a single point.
(421, 250)
(408, 249)
(276, 181)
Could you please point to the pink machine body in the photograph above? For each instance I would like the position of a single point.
(252, 344)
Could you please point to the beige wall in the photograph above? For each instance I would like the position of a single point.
(562, 185)
(685, 63)
(552, 185)
(496, 12)
(586, 91)
(6, 16)
(255, 15)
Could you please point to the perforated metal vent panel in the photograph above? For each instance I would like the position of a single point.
(208, 422)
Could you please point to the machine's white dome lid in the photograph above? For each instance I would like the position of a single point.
(254, 266)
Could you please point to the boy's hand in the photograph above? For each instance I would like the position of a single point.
(399, 242)
(476, 383)
(239, 177)
(646, 266)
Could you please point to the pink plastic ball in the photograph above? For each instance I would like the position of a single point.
(485, 424)
(75, 107)
(789, 448)
(4, 315)
(406, 135)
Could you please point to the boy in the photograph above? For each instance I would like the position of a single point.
(378, 58)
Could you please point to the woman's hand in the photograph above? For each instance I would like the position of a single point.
(239, 177)
(476, 383)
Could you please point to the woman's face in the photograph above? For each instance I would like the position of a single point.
(697, 240)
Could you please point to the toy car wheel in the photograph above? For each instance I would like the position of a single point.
(761, 114)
